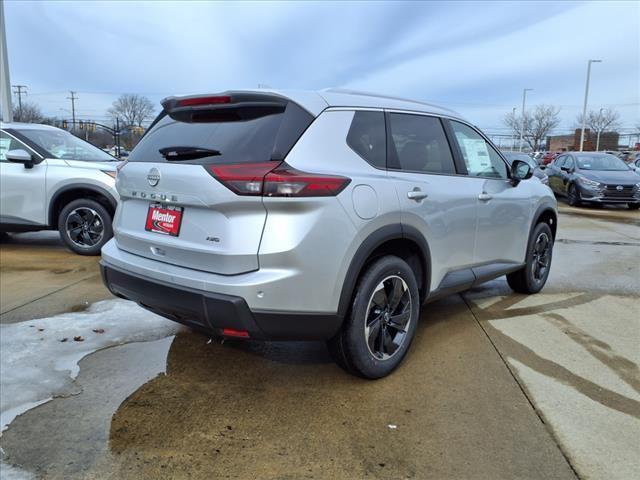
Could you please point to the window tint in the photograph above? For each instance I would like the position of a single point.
(9, 143)
(480, 158)
(236, 135)
(420, 144)
(64, 145)
(568, 162)
(367, 137)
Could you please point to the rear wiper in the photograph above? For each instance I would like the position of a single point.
(187, 153)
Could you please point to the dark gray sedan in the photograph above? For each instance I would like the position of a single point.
(592, 177)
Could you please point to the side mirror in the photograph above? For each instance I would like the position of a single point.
(20, 156)
(520, 171)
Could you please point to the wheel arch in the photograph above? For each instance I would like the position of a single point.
(396, 239)
(75, 191)
(548, 215)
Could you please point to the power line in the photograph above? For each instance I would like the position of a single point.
(19, 89)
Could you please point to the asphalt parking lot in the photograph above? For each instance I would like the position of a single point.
(497, 385)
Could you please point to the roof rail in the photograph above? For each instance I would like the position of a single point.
(347, 91)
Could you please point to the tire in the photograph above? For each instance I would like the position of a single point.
(573, 196)
(372, 313)
(533, 276)
(85, 226)
(633, 206)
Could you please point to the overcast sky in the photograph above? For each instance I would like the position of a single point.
(472, 57)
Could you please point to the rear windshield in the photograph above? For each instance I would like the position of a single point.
(268, 137)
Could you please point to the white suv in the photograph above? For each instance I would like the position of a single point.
(328, 215)
(52, 180)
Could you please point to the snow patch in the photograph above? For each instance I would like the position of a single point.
(37, 363)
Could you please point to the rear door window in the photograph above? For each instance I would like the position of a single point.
(367, 137)
(228, 138)
(419, 144)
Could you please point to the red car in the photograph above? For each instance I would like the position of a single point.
(548, 157)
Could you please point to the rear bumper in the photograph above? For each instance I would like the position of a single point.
(212, 312)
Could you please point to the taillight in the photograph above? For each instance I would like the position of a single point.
(273, 179)
(242, 178)
(286, 181)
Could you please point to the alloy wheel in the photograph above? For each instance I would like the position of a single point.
(388, 317)
(84, 227)
(541, 256)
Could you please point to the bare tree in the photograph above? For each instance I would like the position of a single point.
(29, 113)
(599, 121)
(131, 109)
(537, 124)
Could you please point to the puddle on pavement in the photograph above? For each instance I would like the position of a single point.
(66, 436)
(285, 410)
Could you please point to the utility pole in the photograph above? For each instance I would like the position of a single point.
(19, 91)
(524, 98)
(73, 99)
(117, 135)
(6, 110)
(586, 97)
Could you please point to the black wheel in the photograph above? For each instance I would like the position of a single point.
(85, 226)
(573, 196)
(633, 206)
(378, 331)
(532, 277)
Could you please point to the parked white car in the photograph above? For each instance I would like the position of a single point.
(53, 180)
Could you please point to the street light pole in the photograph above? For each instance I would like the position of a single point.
(513, 137)
(524, 98)
(599, 128)
(586, 96)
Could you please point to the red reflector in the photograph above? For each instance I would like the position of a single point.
(230, 332)
(190, 102)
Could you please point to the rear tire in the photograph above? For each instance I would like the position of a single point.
(533, 276)
(85, 226)
(378, 331)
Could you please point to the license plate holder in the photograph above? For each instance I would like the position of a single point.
(164, 219)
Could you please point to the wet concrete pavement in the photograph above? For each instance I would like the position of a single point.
(496, 385)
(39, 277)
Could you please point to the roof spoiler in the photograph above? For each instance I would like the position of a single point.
(223, 100)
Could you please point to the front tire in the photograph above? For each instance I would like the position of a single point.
(573, 196)
(633, 206)
(533, 276)
(378, 331)
(85, 226)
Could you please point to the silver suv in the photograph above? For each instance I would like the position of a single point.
(53, 180)
(331, 215)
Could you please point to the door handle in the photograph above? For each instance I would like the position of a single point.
(484, 197)
(417, 194)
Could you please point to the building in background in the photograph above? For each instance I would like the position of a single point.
(570, 143)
